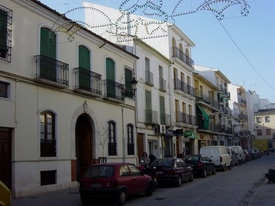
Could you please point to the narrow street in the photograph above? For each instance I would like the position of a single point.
(238, 186)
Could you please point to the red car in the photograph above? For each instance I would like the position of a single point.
(114, 180)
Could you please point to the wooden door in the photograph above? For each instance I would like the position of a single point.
(5, 156)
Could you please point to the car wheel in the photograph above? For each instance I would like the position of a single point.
(84, 200)
(214, 171)
(179, 181)
(223, 167)
(204, 173)
(149, 189)
(121, 197)
(191, 178)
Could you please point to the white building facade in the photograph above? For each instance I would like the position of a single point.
(66, 99)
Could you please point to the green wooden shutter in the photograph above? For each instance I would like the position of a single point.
(162, 109)
(84, 68)
(110, 78)
(148, 106)
(128, 82)
(48, 49)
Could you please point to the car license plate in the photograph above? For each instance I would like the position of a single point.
(96, 185)
(159, 173)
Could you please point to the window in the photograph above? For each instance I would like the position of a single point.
(130, 139)
(48, 54)
(147, 64)
(4, 89)
(268, 131)
(84, 68)
(267, 119)
(124, 171)
(47, 134)
(134, 171)
(128, 83)
(112, 150)
(110, 78)
(258, 119)
(162, 110)
(48, 177)
(5, 33)
(259, 132)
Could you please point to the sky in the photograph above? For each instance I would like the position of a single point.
(241, 47)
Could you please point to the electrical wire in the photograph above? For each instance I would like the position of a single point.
(249, 62)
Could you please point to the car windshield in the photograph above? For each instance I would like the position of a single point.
(193, 158)
(99, 171)
(163, 162)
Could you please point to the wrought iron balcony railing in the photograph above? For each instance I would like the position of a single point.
(131, 149)
(151, 117)
(52, 70)
(113, 90)
(89, 81)
(178, 53)
(112, 148)
(182, 86)
(165, 119)
(162, 84)
(149, 78)
(185, 118)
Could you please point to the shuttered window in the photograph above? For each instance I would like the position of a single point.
(84, 68)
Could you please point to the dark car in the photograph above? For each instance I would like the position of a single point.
(202, 165)
(171, 170)
(252, 154)
(114, 180)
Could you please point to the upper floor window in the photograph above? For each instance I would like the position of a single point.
(267, 119)
(47, 134)
(4, 89)
(259, 132)
(268, 131)
(5, 33)
(112, 146)
(258, 119)
(84, 68)
(128, 83)
(130, 139)
(147, 64)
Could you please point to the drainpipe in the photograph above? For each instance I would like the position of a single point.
(123, 137)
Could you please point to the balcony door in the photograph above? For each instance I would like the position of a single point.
(110, 78)
(48, 54)
(84, 68)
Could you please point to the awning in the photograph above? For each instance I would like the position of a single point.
(205, 118)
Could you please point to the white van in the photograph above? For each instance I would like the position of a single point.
(219, 155)
(240, 153)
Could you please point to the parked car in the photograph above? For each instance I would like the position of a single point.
(247, 155)
(257, 153)
(240, 153)
(234, 156)
(5, 195)
(219, 155)
(252, 154)
(202, 165)
(171, 170)
(114, 180)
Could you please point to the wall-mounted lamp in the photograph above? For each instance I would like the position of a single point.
(130, 93)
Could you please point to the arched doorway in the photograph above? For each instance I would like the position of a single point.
(84, 146)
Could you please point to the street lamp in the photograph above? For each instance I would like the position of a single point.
(129, 93)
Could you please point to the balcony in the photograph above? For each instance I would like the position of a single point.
(113, 90)
(185, 118)
(151, 117)
(180, 85)
(51, 71)
(179, 54)
(162, 84)
(165, 119)
(149, 78)
(112, 148)
(88, 82)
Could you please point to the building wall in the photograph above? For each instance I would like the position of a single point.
(28, 98)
